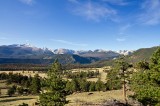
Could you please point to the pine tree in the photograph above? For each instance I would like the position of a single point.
(142, 65)
(35, 85)
(55, 95)
(68, 87)
(11, 90)
(92, 86)
(113, 81)
(99, 85)
(84, 85)
(146, 83)
(122, 66)
(118, 76)
(75, 85)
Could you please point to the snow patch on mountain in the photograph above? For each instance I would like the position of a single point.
(125, 52)
(69, 51)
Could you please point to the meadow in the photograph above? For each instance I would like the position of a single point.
(75, 99)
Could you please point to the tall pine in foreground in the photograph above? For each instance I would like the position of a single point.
(118, 77)
(55, 93)
(146, 83)
(123, 66)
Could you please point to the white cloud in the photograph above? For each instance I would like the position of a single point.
(93, 11)
(124, 28)
(29, 2)
(68, 42)
(151, 14)
(73, 1)
(121, 39)
(117, 2)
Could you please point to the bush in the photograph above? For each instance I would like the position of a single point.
(20, 90)
(11, 91)
(23, 104)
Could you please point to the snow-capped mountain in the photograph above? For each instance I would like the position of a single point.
(30, 51)
(98, 53)
(64, 51)
(23, 51)
(26, 53)
(81, 52)
(125, 52)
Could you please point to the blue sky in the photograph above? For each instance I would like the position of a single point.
(81, 24)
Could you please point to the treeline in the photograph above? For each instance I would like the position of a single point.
(16, 78)
(25, 67)
(82, 74)
(82, 85)
(97, 64)
(22, 84)
(41, 67)
(44, 67)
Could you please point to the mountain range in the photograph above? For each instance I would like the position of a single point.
(82, 52)
(22, 53)
(25, 53)
(136, 56)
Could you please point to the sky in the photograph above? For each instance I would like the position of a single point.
(81, 24)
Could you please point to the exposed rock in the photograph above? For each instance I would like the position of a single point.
(113, 102)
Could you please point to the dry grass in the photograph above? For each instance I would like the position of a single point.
(32, 73)
(96, 97)
(3, 83)
(74, 99)
(101, 71)
(26, 73)
(15, 101)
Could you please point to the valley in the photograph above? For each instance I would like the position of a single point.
(79, 52)
(91, 83)
(75, 99)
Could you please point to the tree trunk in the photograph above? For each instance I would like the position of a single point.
(124, 91)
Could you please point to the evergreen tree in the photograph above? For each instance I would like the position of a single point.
(20, 90)
(122, 66)
(23, 104)
(119, 76)
(35, 85)
(11, 90)
(113, 81)
(68, 87)
(75, 85)
(84, 85)
(146, 83)
(155, 66)
(99, 85)
(92, 86)
(55, 95)
(142, 65)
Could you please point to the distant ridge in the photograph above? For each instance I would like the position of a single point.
(136, 56)
(21, 53)
(141, 54)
